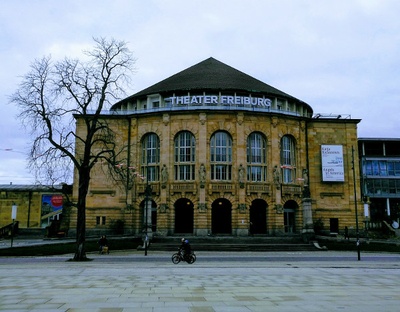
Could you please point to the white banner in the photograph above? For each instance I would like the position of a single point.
(332, 163)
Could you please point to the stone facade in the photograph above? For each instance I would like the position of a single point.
(110, 200)
(35, 205)
(234, 205)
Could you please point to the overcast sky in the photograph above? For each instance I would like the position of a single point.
(339, 56)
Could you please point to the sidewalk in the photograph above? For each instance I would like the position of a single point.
(221, 282)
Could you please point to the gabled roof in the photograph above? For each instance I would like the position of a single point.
(210, 74)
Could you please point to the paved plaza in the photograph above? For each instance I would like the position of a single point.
(225, 281)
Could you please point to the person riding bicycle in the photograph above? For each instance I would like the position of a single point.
(185, 247)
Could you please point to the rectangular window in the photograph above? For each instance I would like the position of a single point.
(390, 166)
(375, 167)
(100, 220)
(382, 168)
(184, 172)
(397, 168)
(368, 167)
(185, 151)
(256, 173)
(392, 186)
(221, 172)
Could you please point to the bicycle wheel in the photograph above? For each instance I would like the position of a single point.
(176, 258)
(191, 258)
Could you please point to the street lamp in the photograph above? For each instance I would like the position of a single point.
(146, 212)
(355, 203)
(147, 204)
(13, 217)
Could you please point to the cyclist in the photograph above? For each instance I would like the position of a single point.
(185, 247)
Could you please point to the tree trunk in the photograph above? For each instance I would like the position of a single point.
(84, 177)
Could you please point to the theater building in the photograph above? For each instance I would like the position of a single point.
(214, 151)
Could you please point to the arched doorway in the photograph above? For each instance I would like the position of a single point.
(258, 217)
(184, 213)
(289, 211)
(221, 217)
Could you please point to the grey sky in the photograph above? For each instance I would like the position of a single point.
(339, 56)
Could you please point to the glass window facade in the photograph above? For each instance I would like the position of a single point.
(381, 167)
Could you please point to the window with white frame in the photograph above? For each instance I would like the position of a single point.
(221, 156)
(151, 157)
(288, 160)
(256, 157)
(185, 156)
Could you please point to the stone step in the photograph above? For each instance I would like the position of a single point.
(237, 247)
(228, 243)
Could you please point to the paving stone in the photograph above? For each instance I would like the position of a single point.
(125, 282)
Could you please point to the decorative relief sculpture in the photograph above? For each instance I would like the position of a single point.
(164, 176)
(277, 177)
(202, 207)
(202, 175)
(241, 176)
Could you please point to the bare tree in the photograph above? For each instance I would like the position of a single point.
(56, 98)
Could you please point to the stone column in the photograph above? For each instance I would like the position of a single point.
(241, 223)
(201, 224)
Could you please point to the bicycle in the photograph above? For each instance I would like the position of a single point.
(179, 256)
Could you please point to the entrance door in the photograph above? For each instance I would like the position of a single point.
(221, 220)
(289, 220)
(289, 210)
(334, 225)
(184, 213)
(258, 217)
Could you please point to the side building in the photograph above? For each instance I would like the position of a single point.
(380, 181)
(38, 209)
(214, 151)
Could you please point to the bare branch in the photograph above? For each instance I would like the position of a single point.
(56, 98)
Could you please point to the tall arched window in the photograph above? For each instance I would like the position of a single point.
(288, 159)
(221, 156)
(151, 157)
(256, 158)
(185, 156)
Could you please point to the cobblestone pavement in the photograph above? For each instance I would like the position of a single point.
(130, 281)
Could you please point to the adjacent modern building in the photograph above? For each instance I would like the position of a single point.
(214, 151)
(380, 180)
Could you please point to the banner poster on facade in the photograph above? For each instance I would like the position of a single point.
(332, 163)
(51, 203)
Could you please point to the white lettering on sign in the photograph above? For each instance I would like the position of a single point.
(218, 100)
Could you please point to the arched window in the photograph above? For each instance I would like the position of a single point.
(151, 157)
(221, 156)
(288, 159)
(256, 158)
(185, 156)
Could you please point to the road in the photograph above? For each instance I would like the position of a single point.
(217, 282)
